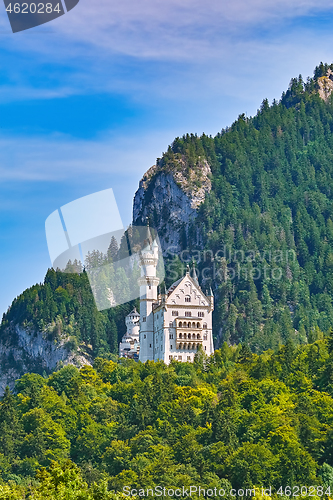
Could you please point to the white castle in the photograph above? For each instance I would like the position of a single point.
(171, 325)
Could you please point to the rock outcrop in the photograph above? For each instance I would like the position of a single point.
(169, 197)
(326, 85)
(23, 350)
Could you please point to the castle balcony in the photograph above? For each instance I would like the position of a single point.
(193, 323)
(188, 336)
(188, 345)
(193, 329)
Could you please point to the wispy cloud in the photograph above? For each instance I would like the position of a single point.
(155, 49)
(60, 158)
(186, 29)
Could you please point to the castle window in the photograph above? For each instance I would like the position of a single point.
(204, 326)
(170, 324)
(193, 325)
(198, 325)
(149, 287)
(205, 348)
(188, 358)
(149, 345)
(187, 298)
(174, 313)
(144, 319)
(171, 347)
(180, 335)
(205, 337)
(170, 357)
(188, 314)
(180, 358)
(171, 336)
(145, 336)
(201, 314)
(189, 325)
(198, 336)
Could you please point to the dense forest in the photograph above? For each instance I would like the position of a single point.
(266, 228)
(236, 420)
(64, 306)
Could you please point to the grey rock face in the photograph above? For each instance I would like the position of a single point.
(23, 350)
(170, 199)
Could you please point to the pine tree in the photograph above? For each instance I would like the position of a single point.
(113, 249)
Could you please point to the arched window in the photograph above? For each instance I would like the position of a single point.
(193, 336)
(193, 325)
(198, 336)
(189, 324)
(204, 326)
(180, 335)
(189, 336)
(198, 325)
(180, 324)
(187, 298)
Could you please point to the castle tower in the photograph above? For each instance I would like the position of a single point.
(129, 345)
(132, 321)
(148, 283)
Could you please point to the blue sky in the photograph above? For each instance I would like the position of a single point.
(89, 101)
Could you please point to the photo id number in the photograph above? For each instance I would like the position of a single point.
(33, 8)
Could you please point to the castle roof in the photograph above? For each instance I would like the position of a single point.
(134, 312)
(175, 284)
(187, 276)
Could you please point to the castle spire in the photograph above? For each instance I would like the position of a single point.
(149, 237)
(195, 276)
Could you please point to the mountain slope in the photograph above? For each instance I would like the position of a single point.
(54, 324)
(252, 206)
(263, 234)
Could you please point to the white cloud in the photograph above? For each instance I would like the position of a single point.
(64, 159)
(159, 29)
(157, 49)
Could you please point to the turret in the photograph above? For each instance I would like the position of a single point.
(210, 297)
(132, 321)
(129, 345)
(148, 283)
(195, 276)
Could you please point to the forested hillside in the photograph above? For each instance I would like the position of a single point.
(64, 306)
(235, 420)
(263, 236)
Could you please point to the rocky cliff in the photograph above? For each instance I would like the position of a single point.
(25, 350)
(325, 84)
(169, 195)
